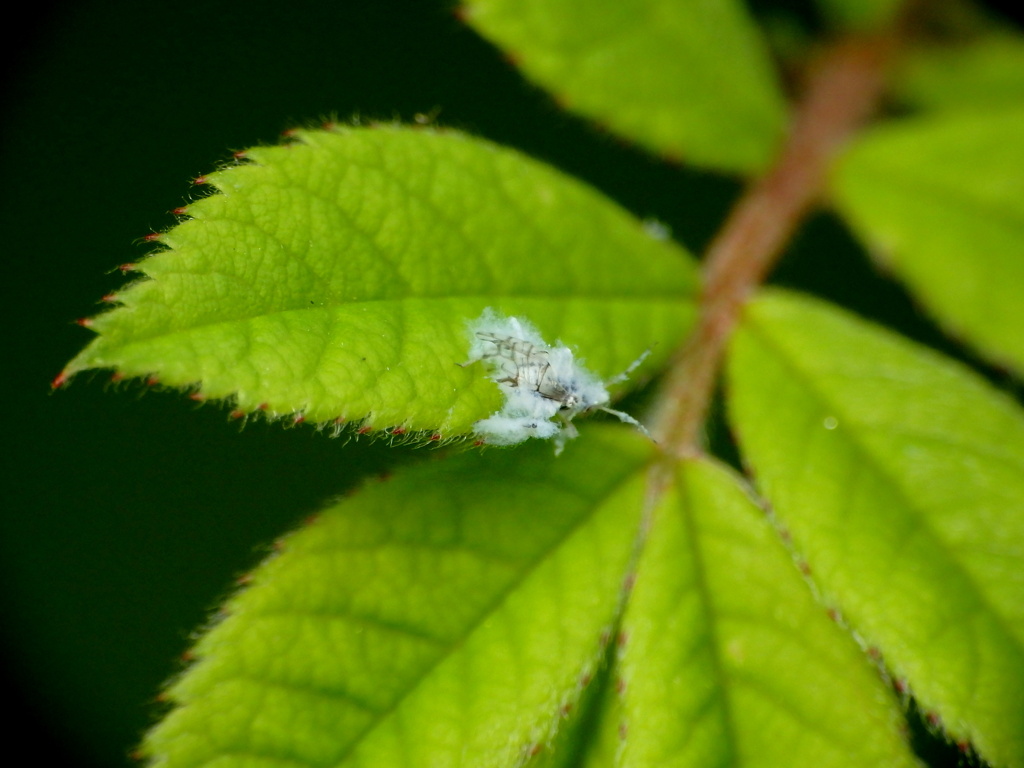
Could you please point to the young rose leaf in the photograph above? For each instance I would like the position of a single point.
(450, 616)
(900, 476)
(334, 278)
(941, 201)
(727, 659)
(982, 74)
(688, 80)
(581, 742)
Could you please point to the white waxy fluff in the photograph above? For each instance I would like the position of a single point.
(544, 386)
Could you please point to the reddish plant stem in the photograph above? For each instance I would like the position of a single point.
(843, 88)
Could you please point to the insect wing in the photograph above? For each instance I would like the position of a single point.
(514, 361)
(544, 386)
(560, 380)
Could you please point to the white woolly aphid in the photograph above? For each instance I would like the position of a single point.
(544, 386)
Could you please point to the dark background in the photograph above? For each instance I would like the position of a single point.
(127, 514)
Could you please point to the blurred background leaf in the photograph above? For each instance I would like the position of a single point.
(983, 73)
(940, 201)
(690, 81)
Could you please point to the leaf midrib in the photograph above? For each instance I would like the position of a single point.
(499, 600)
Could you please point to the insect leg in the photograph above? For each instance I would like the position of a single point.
(632, 367)
(627, 419)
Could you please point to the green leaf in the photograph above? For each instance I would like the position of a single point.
(727, 659)
(983, 74)
(900, 476)
(861, 14)
(941, 201)
(450, 616)
(333, 278)
(582, 741)
(685, 79)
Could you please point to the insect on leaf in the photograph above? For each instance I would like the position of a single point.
(539, 382)
(331, 279)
